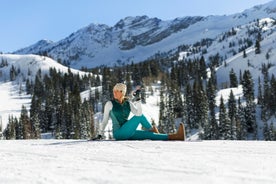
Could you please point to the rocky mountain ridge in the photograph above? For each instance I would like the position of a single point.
(134, 39)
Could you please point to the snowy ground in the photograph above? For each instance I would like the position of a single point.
(69, 161)
(11, 101)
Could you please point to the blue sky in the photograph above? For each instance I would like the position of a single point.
(24, 22)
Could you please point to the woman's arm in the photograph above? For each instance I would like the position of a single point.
(107, 108)
(136, 108)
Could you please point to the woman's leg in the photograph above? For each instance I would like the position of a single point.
(142, 135)
(128, 130)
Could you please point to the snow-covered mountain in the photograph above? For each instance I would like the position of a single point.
(134, 39)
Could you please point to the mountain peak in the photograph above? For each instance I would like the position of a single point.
(130, 20)
(137, 38)
(44, 41)
(35, 48)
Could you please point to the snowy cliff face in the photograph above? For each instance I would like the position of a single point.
(95, 45)
(134, 39)
(143, 31)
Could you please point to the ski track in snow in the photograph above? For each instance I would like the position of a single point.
(80, 161)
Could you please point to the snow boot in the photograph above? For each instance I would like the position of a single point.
(179, 135)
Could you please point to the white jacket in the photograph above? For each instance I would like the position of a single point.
(135, 108)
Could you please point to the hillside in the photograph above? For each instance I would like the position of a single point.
(233, 57)
(15, 70)
(135, 39)
(29, 66)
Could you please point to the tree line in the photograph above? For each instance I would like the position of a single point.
(56, 107)
(186, 93)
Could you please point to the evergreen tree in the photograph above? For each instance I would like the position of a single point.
(168, 119)
(89, 120)
(75, 101)
(195, 120)
(257, 47)
(38, 85)
(249, 110)
(200, 107)
(34, 116)
(215, 60)
(240, 77)
(266, 132)
(170, 116)
(202, 68)
(63, 118)
(233, 79)
(272, 105)
(10, 132)
(232, 114)
(266, 97)
(248, 86)
(241, 122)
(167, 116)
(244, 53)
(46, 123)
(213, 77)
(232, 107)
(13, 73)
(261, 101)
(260, 92)
(136, 75)
(175, 99)
(107, 85)
(211, 130)
(162, 116)
(224, 122)
(271, 132)
(189, 107)
(4, 62)
(67, 126)
(250, 117)
(29, 87)
(26, 124)
(18, 129)
(56, 114)
(257, 43)
(85, 124)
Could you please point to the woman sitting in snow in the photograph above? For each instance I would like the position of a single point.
(119, 109)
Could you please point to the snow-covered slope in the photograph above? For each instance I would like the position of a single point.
(11, 101)
(252, 62)
(29, 65)
(138, 38)
(155, 162)
(12, 92)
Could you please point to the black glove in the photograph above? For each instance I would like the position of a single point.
(98, 137)
(137, 95)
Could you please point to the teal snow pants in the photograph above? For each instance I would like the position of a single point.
(128, 130)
